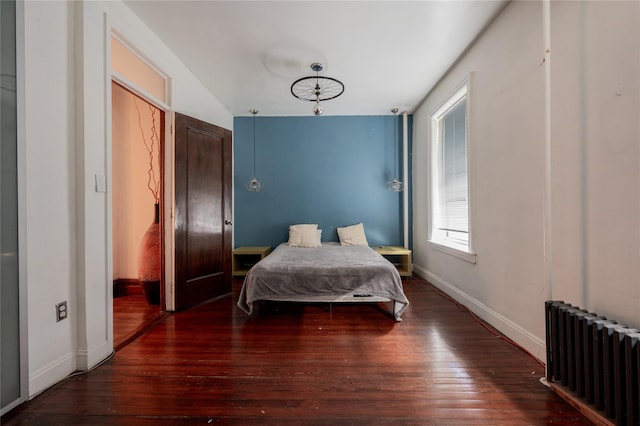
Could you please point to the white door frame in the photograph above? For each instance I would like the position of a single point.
(168, 193)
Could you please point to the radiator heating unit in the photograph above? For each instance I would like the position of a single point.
(595, 359)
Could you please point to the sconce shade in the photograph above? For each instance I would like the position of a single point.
(395, 186)
(254, 185)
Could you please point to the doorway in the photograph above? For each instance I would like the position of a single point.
(137, 182)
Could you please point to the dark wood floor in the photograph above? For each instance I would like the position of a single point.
(132, 316)
(302, 365)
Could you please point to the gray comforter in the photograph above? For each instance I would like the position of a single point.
(330, 273)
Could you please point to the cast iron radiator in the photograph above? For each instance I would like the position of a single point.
(596, 359)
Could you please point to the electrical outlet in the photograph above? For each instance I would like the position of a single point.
(61, 311)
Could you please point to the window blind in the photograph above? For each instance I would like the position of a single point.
(454, 205)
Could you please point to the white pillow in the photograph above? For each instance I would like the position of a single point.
(304, 235)
(352, 235)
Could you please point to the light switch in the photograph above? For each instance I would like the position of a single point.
(101, 183)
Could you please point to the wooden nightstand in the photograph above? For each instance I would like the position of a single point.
(399, 256)
(245, 257)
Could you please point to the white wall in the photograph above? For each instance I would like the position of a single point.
(590, 154)
(66, 137)
(596, 157)
(50, 190)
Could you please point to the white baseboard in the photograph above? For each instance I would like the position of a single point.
(51, 374)
(89, 358)
(60, 368)
(513, 331)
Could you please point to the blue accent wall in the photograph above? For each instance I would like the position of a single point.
(330, 170)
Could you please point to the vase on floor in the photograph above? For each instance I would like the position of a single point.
(149, 264)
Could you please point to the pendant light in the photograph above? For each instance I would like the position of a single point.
(395, 185)
(254, 184)
(317, 88)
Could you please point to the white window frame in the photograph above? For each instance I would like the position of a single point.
(439, 239)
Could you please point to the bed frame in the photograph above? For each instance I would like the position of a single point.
(328, 274)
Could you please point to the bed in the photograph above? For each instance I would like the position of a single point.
(330, 273)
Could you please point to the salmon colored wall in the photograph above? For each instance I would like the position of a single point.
(132, 199)
(125, 62)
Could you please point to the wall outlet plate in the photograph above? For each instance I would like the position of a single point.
(61, 311)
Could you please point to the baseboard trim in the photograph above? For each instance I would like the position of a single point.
(126, 287)
(588, 411)
(50, 374)
(513, 331)
(86, 359)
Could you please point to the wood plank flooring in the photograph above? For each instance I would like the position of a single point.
(304, 365)
(132, 316)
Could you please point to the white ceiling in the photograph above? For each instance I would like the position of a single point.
(387, 53)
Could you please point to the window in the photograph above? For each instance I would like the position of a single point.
(449, 173)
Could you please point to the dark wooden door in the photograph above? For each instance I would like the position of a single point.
(202, 211)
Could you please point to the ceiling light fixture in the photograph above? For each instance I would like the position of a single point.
(254, 184)
(317, 88)
(395, 185)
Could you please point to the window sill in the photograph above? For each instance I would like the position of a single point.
(456, 252)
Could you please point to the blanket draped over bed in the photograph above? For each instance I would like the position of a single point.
(330, 273)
